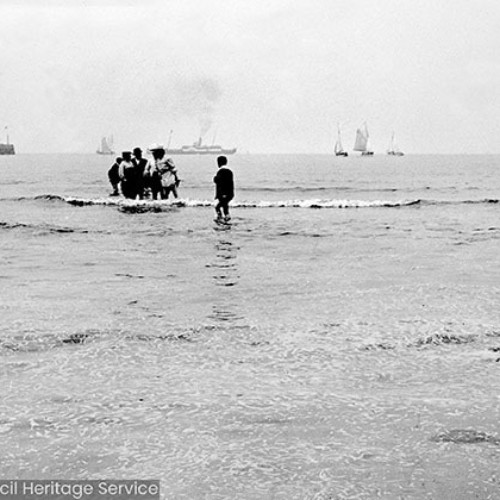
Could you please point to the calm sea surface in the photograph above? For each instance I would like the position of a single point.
(339, 339)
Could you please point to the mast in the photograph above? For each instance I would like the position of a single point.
(390, 149)
(393, 148)
(170, 138)
(338, 144)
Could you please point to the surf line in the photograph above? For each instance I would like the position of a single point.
(329, 203)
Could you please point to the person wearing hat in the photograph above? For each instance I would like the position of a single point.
(159, 167)
(169, 179)
(140, 165)
(153, 174)
(128, 176)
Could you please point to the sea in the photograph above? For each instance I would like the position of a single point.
(339, 338)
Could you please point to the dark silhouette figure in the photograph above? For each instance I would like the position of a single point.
(128, 176)
(140, 165)
(224, 188)
(153, 170)
(169, 179)
(114, 176)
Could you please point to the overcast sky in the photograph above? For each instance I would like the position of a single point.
(264, 75)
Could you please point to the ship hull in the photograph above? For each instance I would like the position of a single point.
(7, 149)
(200, 151)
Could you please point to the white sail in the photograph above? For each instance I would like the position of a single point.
(338, 145)
(106, 146)
(361, 143)
(393, 149)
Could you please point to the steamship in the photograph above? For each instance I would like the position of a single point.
(198, 148)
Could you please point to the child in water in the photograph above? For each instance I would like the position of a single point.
(169, 179)
(114, 176)
(224, 188)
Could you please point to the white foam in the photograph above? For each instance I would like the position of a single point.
(186, 202)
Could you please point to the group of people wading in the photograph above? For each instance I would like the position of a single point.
(140, 178)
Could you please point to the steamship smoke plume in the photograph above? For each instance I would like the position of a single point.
(198, 98)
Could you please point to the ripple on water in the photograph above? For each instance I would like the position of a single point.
(465, 436)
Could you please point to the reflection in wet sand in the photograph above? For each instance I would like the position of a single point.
(225, 275)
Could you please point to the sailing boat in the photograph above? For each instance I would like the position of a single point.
(106, 147)
(339, 150)
(7, 148)
(393, 150)
(361, 143)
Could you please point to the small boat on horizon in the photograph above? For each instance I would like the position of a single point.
(393, 150)
(361, 142)
(7, 148)
(198, 148)
(106, 147)
(338, 149)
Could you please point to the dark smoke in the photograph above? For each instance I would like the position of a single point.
(198, 97)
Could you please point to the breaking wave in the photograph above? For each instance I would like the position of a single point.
(312, 189)
(159, 204)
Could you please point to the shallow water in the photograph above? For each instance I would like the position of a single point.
(295, 353)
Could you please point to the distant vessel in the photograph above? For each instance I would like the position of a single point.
(393, 150)
(361, 143)
(106, 147)
(339, 150)
(198, 148)
(7, 148)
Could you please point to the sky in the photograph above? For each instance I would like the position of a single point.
(266, 76)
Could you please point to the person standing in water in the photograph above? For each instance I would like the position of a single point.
(169, 179)
(140, 164)
(153, 170)
(114, 176)
(128, 176)
(162, 174)
(224, 188)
